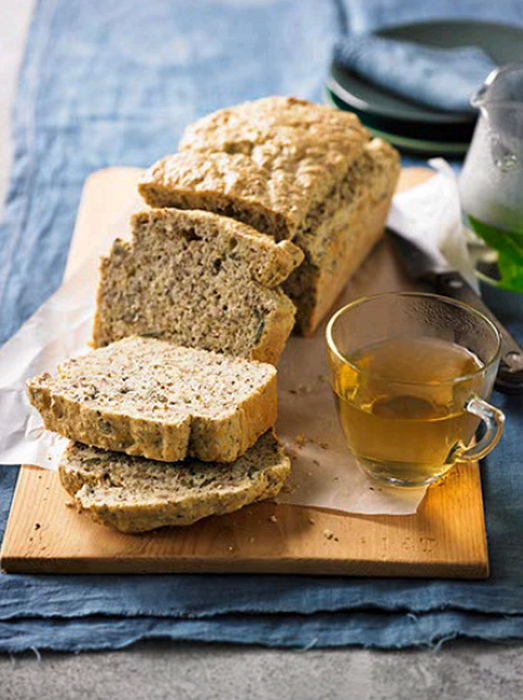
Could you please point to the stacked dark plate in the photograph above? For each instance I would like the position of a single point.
(412, 127)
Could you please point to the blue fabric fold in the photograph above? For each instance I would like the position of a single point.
(445, 79)
(370, 630)
(365, 16)
(115, 84)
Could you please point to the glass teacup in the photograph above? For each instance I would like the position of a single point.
(411, 373)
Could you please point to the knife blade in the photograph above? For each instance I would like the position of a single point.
(423, 261)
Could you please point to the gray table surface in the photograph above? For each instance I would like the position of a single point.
(158, 670)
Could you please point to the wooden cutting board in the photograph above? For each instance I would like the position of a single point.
(446, 538)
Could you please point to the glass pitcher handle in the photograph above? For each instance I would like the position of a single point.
(494, 420)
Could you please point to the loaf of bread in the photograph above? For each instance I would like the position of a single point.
(147, 397)
(199, 280)
(292, 169)
(134, 494)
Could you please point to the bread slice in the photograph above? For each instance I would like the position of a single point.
(200, 280)
(134, 494)
(293, 170)
(148, 397)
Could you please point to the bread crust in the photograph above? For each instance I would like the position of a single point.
(265, 162)
(331, 261)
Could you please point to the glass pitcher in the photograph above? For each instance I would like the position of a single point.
(491, 182)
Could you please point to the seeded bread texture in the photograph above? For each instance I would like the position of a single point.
(293, 170)
(200, 280)
(341, 233)
(148, 397)
(134, 494)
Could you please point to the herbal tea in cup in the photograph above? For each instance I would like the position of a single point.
(410, 374)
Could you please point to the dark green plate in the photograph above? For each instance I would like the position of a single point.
(502, 42)
(405, 143)
(419, 131)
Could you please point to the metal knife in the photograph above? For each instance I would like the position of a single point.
(425, 262)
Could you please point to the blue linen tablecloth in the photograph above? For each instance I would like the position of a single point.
(114, 84)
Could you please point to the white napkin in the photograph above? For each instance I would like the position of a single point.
(431, 212)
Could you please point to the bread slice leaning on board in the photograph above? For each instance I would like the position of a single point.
(296, 171)
(134, 494)
(199, 280)
(148, 397)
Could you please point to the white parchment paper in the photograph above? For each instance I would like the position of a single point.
(325, 474)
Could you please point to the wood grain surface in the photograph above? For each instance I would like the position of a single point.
(46, 534)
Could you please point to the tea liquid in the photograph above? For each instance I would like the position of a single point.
(401, 413)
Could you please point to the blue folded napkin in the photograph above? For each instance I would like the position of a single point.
(444, 79)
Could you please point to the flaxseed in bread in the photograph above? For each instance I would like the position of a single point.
(148, 397)
(134, 494)
(293, 170)
(200, 280)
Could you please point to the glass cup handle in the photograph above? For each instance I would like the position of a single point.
(494, 420)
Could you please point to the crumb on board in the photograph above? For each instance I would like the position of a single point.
(301, 389)
(315, 461)
(301, 440)
(273, 519)
(230, 548)
(251, 540)
(329, 535)
(320, 443)
(312, 521)
(37, 526)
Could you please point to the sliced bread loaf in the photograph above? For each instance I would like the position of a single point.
(294, 170)
(147, 397)
(135, 495)
(200, 280)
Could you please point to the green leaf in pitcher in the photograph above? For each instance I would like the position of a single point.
(509, 248)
